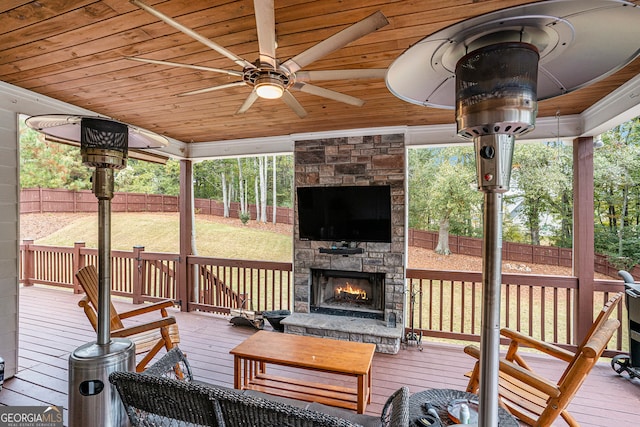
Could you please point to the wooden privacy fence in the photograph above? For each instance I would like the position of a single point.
(441, 304)
(516, 252)
(41, 200)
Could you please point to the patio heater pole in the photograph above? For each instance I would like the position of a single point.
(491, 269)
(103, 190)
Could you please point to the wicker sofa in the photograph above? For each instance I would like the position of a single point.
(156, 398)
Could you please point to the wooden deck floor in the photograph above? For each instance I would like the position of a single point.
(52, 326)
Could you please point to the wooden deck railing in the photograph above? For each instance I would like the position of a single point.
(448, 305)
(222, 284)
(441, 304)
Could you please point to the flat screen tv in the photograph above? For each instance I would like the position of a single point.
(345, 213)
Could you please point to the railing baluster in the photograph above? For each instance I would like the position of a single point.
(518, 308)
(531, 312)
(463, 304)
(451, 304)
(543, 314)
(555, 314)
(569, 305)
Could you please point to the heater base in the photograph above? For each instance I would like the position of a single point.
(93, 401)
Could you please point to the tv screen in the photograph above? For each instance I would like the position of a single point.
(345, 213)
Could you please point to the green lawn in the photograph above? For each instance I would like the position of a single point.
(159, 233)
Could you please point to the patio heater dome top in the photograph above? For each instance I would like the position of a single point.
(68, 127)
(579, 42)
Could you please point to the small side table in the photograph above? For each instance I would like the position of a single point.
(440, 398)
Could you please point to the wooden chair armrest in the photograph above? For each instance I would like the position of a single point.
(89, 311)
(521, 374)
(147, 308)
(599, 340)
(132, 330)
(550, 349)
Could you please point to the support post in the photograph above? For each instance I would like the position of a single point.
(28, 262)
(583, 240)
(186, 288)
(138, 274)
(78, 263)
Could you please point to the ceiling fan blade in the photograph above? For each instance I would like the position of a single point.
(266, 26)
(191, 33)
(211, 89)
(320, 75)
(248, 102)
(327, 93)
(337, 41)
(293, 103)
(193, 67)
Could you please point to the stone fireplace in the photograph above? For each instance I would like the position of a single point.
(354, 294)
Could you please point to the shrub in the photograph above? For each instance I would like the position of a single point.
(244, 217)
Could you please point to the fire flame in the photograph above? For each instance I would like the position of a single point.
(348, 289)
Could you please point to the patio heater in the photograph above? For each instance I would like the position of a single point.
(104, 144)
(493, 69)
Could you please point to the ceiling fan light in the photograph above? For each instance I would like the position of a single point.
(269, 90)
(268, 87)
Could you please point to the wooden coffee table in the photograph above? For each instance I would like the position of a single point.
(346, 358)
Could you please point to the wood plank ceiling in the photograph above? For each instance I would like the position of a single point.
(74, 51)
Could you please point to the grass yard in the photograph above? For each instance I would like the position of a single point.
(159, 232)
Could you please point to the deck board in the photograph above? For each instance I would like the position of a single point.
(49, 334)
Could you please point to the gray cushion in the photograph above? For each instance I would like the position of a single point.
(279, 399)
(363, 419)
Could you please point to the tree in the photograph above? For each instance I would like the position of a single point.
(616, 193)
(225, 196)
(537, 180)
(562, 202)
(453, 195)
(151, 178)
(263, 164)
(422, 168)
(48, 164)
(284, 180)
(274, 201)
(442, 192)
(243, 192)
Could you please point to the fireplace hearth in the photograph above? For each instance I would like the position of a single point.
(347, 293)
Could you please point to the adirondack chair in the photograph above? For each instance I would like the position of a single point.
(149, 337)
(532, 398)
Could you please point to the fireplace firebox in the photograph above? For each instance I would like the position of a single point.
(347, 293)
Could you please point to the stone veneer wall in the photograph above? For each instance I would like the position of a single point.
(363, 160)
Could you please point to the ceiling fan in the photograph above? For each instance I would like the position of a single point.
(268, 77)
